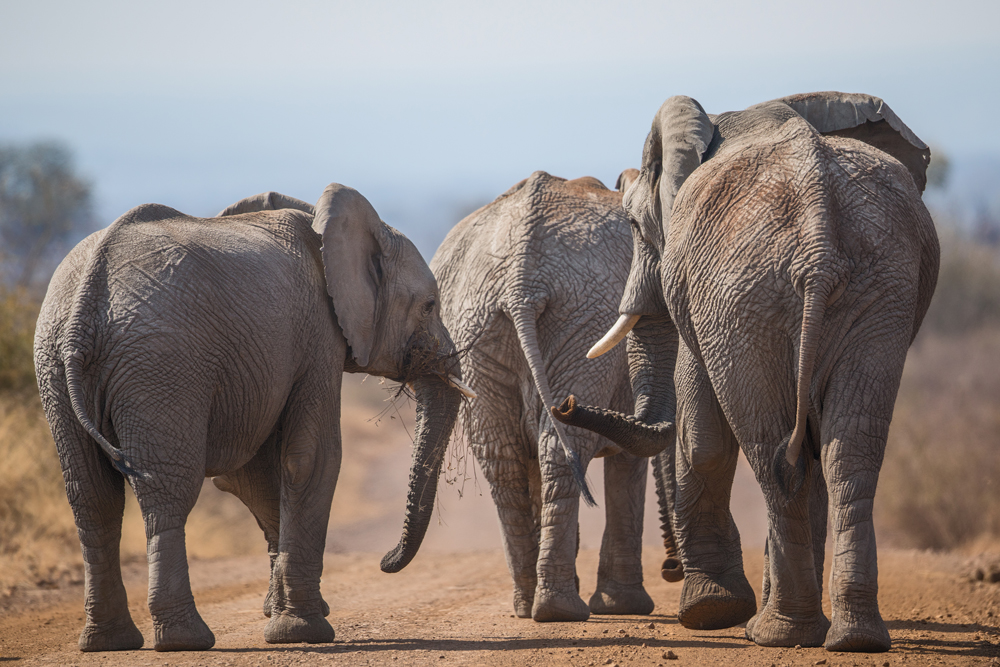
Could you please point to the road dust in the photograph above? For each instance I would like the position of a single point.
(452, 605)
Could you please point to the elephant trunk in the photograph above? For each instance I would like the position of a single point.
(652, 352)
(437, 409)
(631, 434)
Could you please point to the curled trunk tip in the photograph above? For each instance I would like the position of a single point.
(564, 412)
(630, 433)
(672, 570)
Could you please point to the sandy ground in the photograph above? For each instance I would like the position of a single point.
(452, 605)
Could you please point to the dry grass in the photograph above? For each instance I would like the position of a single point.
(940, 483)
(18, 312)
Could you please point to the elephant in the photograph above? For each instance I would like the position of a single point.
(170, 348)
(792, 250)
(509, 276)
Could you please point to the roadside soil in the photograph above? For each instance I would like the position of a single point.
(452, 605)
(455, 609)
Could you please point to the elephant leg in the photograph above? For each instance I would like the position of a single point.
(514, 484)
(165, 507)
(310, 464)
(716, 593)
(854, 444)
(619, 573)
(258, 485)
(791, 613)
(817, 519)
(96, 492)
(557, 596)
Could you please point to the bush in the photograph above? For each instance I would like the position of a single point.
(940, 481)
(968, 288)
(18, 313)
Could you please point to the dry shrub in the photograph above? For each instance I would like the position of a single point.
(18, 312)
(941, 477)
(967, 295)
(940, 483)
(38, 543)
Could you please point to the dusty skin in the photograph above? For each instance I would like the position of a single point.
(452, 605)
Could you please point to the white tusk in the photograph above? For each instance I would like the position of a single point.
(461, 386)
(613, 337)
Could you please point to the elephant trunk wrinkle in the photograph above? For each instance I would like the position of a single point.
(437, 409)
(628, 432)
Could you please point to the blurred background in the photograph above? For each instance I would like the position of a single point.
(431, 110)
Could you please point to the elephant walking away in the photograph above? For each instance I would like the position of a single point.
(793, 252)
(171, 348)
(527, 282)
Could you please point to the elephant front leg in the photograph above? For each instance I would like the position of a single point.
(258, 485)
(619, 573)
(557, 595)
(310, 465)
(515, 487)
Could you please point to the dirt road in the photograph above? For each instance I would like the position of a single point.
(455, 610)
(452, 605)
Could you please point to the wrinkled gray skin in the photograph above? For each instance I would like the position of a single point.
(792, 249)
(186, 347)
(528, 283)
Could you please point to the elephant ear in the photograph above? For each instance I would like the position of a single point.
(267, 201)
(353, 237)
(626, 179)
(679, 137)
(868, 119)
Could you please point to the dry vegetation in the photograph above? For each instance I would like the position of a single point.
(938, 489)
(941, 476)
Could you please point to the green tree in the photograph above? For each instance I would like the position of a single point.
(43, 205)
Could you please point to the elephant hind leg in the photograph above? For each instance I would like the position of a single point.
(557, 595)
(166, 497)
(619, 573)
(716, 593)
(96, 492)
(97, 507)
(515, 487)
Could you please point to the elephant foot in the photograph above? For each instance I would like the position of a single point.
(118, 635)
(288, 629)
(769, 628)
(553, 605)
(865, 633)
(672, 570)
(192, 635)
(522, 604)
(616, 599)
(712, 604)
(268, 604)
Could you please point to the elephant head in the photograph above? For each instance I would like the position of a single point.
(386, 302)
(680, 135)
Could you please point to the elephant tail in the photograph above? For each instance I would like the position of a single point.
(789, 465)
(527, 335)
(73, 363)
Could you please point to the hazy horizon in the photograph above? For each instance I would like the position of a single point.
(431, 110)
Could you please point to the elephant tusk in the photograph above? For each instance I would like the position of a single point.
(461, 386)
(614, 336)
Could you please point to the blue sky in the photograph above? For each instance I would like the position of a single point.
(430, 108)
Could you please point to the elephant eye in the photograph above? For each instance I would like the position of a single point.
(429, 306)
